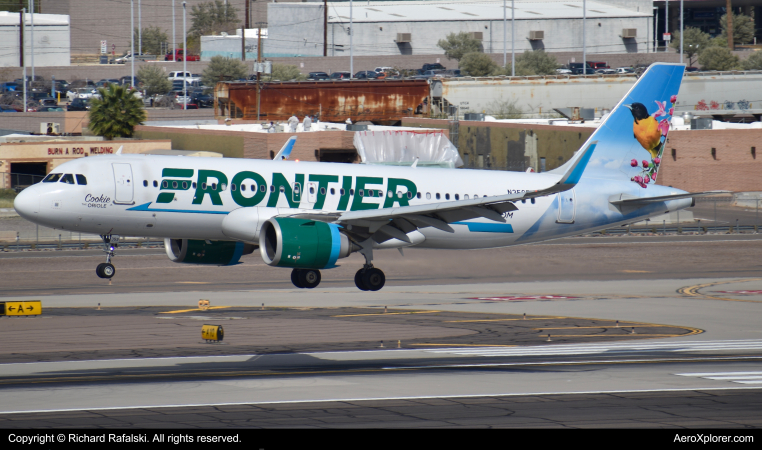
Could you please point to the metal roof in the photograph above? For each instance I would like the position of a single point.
(442, 11)
(9, 18)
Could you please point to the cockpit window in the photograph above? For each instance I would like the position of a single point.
(81, 180)
(67, 178)
(52, 178)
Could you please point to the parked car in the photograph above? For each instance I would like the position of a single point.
(127, 57)
(606, 71)
(201, 99)
(598, 65)
(563, 71)
(125, 80)
(432, 74)
(49, 108)
(47, 101)
(692, 69)
(180, 75)
(105, 82)
(79, 104)
(384, 69)
(318, 76)
(6, 109)
(366, 75)
(9, 87)
(622, 70)
(435, 66)
(341, 76)
(179, 55)
(86, 92)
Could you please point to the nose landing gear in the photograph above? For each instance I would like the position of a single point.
(110, 243)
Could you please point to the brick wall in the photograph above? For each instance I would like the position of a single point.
(694, 168)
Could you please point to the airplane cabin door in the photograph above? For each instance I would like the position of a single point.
(124, 182)
(566, 206)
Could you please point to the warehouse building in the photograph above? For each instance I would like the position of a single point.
(51, 40)
(415, 27)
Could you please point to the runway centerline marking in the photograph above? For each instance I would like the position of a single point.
(388, 314)
(195, 309)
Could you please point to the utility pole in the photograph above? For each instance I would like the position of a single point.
(682, 31)
(351, 32)
(174, 45)
(132, 42)
(31, 41)
(666, 24)
(505, 31)
(21, 34)
(729, 13)
(584, 38)
(258, 64)
(245, 25)
(140, 31)
(325, 27)
(23, 13)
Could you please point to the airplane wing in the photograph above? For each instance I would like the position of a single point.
(285, 152)
(624, 199)
(387, 223)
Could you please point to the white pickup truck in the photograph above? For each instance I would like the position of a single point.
(178, 75)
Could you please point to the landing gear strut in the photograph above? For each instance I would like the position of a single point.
(110, 243)
(369, 278)
(305, 278)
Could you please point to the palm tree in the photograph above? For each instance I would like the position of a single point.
(116, 112)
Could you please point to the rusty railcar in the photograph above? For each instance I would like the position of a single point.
(379, 101)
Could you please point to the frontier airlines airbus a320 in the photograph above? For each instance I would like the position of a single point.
(305, 215)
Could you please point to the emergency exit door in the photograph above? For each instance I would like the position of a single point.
(123, 180)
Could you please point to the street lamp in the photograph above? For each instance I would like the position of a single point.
(174, 45)
(513, 40)
(132, 42)
(185, 62)
(681, 31)
(584, 38)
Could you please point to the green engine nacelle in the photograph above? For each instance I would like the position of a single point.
(218, 253)
(304, 244)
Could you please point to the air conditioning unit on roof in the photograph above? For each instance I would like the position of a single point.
(478, 35)
(404, 38)
(629, 33)
(537, 35)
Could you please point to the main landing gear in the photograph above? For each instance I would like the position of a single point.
(369, 278)
(107, 270)
(305, 278)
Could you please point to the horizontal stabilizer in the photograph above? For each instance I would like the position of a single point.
(623, 200)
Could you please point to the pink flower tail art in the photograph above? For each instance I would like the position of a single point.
(634, 163)
(664, 127)
(662, 109)
(673, 99)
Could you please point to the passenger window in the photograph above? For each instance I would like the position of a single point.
(351, 192)
(333, 191)
(428, 196)
(409, 195)
(261, 188)
(312, 190)
(523, 200)
(465, 197)
(533, 201)
(457, 197)
(203, 185)
(52, 178)
(438, 196)
(81, 180)
(145, 183)
(194, 185)
(447, 196)
(185, 185)
(156, 184)
(232, 187)
(341, 191)
(243, 187)
(418, 195)
(67, 178)
(272, 188)
(283, 189)
(214, 186)
(174, 185)
(165, 184)
(322, 191)
(362, 192)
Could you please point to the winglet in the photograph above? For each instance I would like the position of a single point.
(285, 152)
(119, 152)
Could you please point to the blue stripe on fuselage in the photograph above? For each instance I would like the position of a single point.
(486, 227)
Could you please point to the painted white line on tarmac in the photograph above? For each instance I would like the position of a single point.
(371, 399)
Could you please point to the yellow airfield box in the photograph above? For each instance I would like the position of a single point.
(27, 308)
(212, 332)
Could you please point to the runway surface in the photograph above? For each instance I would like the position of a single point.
(313, 358)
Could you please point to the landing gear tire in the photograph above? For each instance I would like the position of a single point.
(105, 270)
(295, 278)
(373, 279)
(358, 280)
(309, 278)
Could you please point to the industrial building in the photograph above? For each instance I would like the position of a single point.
(51, 41)
(415, 27)
(229, 45)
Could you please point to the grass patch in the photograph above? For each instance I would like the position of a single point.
(6, 198)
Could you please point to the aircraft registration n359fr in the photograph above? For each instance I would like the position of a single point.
(306, 216)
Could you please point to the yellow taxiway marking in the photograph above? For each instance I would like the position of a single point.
(194, 309)
(613, 335)
(610, 326)
(192, 282)
(503, 320)
(465, 345)
(388, 314)
(693, 291)
(635, 271)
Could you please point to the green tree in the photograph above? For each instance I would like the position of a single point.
(223, 69)
(743, 28)
(718, 58)
(694, 42)
(478, 64)
(116, 112)
(212, 18)
(536, 63)
(154, 80)
(153, 38)
(286, 72)
(456, 46)
(753, 62)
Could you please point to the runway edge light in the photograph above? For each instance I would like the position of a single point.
(27, 308)
(212, 333)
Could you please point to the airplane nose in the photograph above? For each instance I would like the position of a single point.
(27, 203)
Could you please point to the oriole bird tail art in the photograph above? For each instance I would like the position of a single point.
(646, 129)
